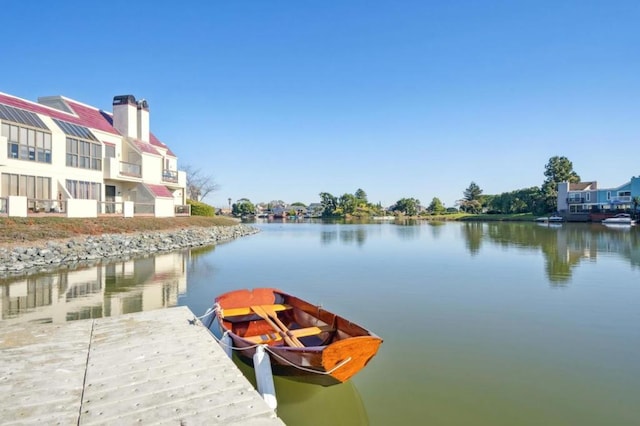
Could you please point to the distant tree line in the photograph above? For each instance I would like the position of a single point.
(537, 200)
(355, 204)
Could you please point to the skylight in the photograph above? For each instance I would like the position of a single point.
(21, 116)
(75, 130)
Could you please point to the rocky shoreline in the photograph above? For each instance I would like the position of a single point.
(94, 249)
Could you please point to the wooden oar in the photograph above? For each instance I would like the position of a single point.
(262, 313)
(274, 315)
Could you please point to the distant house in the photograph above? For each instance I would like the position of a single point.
(61, 156)
(586, 197)
(315, 210)
(279, 211)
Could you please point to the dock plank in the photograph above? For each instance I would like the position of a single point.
(148, 367)
(42, 372)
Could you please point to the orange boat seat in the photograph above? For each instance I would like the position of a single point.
(236, 312)
(300, 332)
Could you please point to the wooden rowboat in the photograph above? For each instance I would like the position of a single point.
(305, 342)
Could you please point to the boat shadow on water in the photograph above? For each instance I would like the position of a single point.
(304, 403)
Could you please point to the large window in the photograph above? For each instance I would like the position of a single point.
(84, 154)
(84, 150)
(36, 187)
(84, 190)
(27, 144)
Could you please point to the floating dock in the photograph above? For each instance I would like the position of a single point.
(155, 367)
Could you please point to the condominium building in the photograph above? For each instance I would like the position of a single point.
(586, 197)
(60, 156)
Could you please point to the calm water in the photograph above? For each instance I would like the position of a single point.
(484, 324)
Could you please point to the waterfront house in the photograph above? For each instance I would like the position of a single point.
(60, 156)
(586, 199)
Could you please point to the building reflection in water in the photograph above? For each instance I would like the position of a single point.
(108, 289)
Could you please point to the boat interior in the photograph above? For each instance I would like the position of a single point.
(278, 325)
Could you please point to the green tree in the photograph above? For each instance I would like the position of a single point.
(329, 204)
(472, 206)
(347, 203)
(201, 209)
(557, 170)
(436, 206)
(473, 192)
(407, 206)
(243, 207)
(527, 200)
(472, 201)
(361, 196)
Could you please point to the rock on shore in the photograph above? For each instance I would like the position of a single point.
(91, 249)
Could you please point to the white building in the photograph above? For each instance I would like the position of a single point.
(59, 156)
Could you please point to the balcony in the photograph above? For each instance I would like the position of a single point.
(626, 199)
(130, 169)
(576, 200)
(121, 170)
(170, 176)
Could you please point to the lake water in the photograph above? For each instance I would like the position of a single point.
(483, 323)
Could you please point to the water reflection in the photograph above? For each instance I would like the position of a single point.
(563, 246)
(437, 228)
(103, 290)
(473, 233)
(350, 235)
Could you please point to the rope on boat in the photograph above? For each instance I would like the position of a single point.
(217, 307)
(233, 347)
(206, 314)
(308, 370)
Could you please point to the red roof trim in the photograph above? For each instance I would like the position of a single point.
(84, 115)
(159, 190)
(153, 140)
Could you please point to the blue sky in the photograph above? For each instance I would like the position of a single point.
(287, 99)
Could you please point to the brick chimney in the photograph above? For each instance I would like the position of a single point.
(143, 120)
(124, 115)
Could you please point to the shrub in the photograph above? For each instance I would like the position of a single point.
(201, 209)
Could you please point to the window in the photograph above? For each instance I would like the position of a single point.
(84, 154)
(26, 186)
(588, 196)
(27, 144)
(109, 151)
(72, 152)
(84, 190)
(84, 150)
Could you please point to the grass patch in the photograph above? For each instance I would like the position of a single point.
(18, 230)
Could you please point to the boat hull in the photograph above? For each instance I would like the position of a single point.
(620, 219)
(337, 351)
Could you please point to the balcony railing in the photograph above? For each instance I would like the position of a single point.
(170, 176)
(46, 206)
(130, 169)
(110, 207)
(144, 209)
(575, 200)
(184, 210)
(625, 199)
